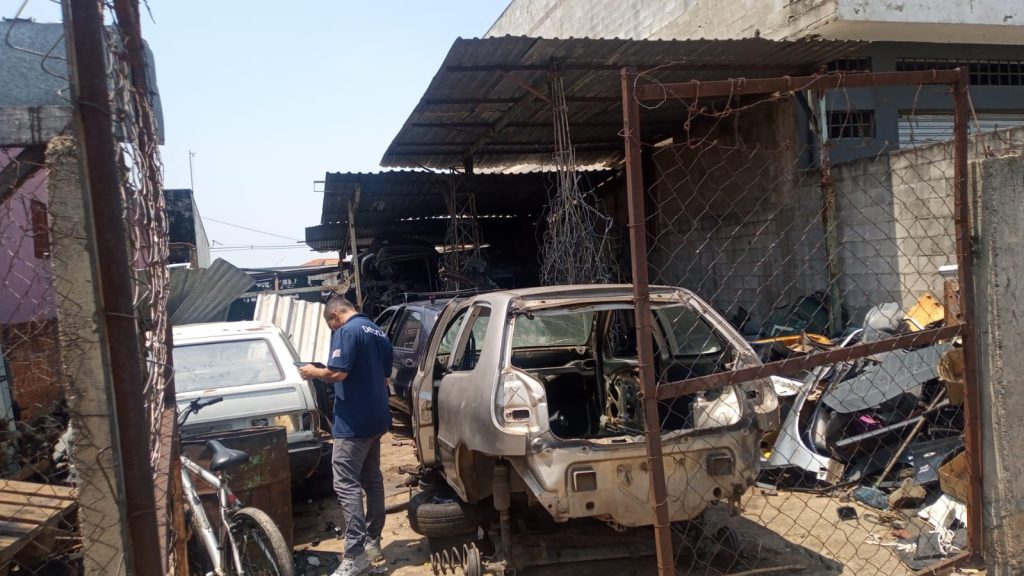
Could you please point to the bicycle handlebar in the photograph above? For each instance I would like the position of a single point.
(195, 406)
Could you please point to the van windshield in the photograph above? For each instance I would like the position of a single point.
(224, 364)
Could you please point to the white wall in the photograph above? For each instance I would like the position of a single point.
(974, 21)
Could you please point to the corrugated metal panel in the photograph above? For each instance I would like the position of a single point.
(483, 84)
(302, 321)
(923, 129)
(208, 293)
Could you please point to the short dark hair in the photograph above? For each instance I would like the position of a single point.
(337, 305)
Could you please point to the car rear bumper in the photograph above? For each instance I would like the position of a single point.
(612, 482)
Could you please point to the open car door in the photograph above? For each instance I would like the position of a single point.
(431, 369)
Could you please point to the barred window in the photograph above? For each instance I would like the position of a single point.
(982, 72)
(849, 65)
(851, 124)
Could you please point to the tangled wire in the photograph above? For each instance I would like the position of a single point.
(575, 248)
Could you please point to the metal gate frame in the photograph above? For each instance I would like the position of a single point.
(652, 392)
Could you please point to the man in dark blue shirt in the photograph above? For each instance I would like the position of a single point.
(359, 365)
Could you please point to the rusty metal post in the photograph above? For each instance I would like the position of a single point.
(644, 330)
(965, 266)
(828, 218)
(118, 322)
(355, 249)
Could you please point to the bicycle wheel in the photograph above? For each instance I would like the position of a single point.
(261, 547)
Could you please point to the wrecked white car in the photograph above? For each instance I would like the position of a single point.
(541, 385)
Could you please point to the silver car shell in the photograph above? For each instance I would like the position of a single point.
(547, 464)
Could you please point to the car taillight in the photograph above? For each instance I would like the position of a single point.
(520, 402)
(307, 420)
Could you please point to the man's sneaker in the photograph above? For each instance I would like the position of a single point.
(373, 551)
(353, 566)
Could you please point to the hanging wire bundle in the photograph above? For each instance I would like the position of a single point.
(576, 244)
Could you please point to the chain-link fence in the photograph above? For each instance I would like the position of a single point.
(85, 379)
(842, 435)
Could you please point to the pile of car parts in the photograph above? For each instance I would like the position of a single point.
(887, 428)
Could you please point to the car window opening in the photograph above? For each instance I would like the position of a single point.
(586, 360)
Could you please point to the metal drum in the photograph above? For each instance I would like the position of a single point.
(264, 482)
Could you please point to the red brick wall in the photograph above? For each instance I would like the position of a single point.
(33, 357)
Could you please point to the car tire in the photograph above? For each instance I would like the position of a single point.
(436, 514)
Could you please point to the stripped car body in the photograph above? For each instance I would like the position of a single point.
(545, 379)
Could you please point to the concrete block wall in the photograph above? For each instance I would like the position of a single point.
(726, 221)
(737, 221)
(922, 189)
(866, 228)
(895, 220)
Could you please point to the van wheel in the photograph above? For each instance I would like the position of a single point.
(436, 514)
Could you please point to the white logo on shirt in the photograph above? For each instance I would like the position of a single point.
(336, 353)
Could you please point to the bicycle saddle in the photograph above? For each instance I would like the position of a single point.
(224, 457)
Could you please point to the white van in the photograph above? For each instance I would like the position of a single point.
(252, 366)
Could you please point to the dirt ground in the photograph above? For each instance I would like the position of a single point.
(800, 532)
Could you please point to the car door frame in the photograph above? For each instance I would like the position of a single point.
(424, 394)
(404, 358)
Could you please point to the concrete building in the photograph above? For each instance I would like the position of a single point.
(187, 238)
(906, 35)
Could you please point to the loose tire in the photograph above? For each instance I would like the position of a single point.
(434, 516)
(261, 546)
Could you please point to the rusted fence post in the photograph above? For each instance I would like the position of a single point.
(965, 267)
(644, 335)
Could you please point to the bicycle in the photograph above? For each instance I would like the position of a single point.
(247, 542)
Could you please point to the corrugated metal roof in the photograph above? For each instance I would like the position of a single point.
(411, 203)
(483, 100)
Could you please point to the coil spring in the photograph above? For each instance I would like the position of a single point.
(452, 560)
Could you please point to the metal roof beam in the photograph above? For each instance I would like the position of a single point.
(538, 149)
(496, 144)
(483, 100)
(547, 124)
(669, 67)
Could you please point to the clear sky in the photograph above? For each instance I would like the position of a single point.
(272, 95)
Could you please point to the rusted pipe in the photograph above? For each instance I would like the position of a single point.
(791, 366)
(789, 84)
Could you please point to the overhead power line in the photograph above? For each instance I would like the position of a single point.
(250, 229)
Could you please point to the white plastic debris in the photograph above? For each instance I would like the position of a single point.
(943, 512)
(785, 387)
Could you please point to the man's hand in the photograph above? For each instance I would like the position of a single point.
(310, 372)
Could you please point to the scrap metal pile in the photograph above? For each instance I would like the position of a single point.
(36, 449)
(885, 430)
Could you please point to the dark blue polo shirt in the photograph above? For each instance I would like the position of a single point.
(362, 350)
